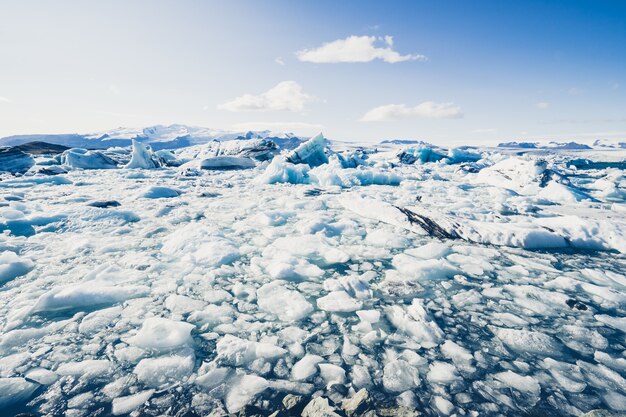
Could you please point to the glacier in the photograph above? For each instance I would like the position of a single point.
(262, 273)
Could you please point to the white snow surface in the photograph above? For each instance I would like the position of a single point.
(467, 286)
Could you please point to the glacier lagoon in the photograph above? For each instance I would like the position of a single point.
(243, 276)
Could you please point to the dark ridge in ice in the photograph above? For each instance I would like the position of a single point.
(41, 148)
(432, 228)
(588, 164)
(104, 203)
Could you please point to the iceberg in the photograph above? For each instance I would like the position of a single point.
(15, 161)
(142, 157)
(311, 152)
(227, 162)
(85, 159)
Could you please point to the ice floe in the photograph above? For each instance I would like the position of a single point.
(337, 277)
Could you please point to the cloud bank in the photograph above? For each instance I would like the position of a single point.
(285, 96)
(356, 49)
(425, 110)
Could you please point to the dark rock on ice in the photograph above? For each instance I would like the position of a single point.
(575, 304)
(104, 204)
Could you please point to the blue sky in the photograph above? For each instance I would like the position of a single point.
(480, 71)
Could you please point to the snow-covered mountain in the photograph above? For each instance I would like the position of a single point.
(159, 137)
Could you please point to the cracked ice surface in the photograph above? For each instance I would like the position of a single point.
(199, 290)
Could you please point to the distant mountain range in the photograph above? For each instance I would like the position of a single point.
(158, 137)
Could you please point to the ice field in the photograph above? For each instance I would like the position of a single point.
(220, 277)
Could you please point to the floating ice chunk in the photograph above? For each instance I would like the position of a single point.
(162, 334)
(159, 192)
(234, 351)
(15, 390)
(618, 364)
(87, 294)
(618, 323)
(319, 407)
(528, 341)
(386, 239)
(84, 159)
(568, 376)
(442, 405)
(181, 304)
(281, 171)
(315, 248)
(97, 320)
(422, 154)
(242, 390)
(338, 301)
(227, 163)
(155, 372)
(306, 367)
(424, 269)
(442, 373)
(424, 221)
(561, 193)
(518, 382)
(15, 161)
(517, 174)
(588, 233)
(259, 149)
(311, 152)
(12, 266)
(89, 368)
(196, 244)
(432, 250)
(125, 405)
(80, 401)
(287, 305)
(42, 376)
(142, 157)
(333, 174)
(169, 158)
(461, 357)
(415, 322)
(332, 374)
(17, 338)
(212, 378)
(399, 376)
(369, 316)
(293, 268)
(213, 315)
(462, 154)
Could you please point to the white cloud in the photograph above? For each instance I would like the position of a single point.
(356, 49)
(489, 130)
(542, 105)
(295, 127)
(287, 96)
(426, 110)
(279, 60)
(4, 100)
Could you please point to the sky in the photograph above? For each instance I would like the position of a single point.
(443, 71)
